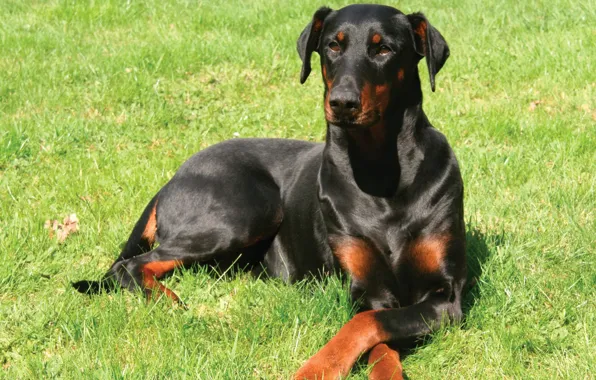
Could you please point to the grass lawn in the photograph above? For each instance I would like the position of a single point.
(101, 101)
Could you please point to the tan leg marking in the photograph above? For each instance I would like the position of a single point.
(386, 362)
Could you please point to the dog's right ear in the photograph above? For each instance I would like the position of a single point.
(309, 40)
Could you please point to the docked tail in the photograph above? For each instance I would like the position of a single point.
(141, 240)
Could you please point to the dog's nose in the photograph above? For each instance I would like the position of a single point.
(344, 103)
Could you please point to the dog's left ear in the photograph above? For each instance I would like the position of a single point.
(309, 40)
(429, 43)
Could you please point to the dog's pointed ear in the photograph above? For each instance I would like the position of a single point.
(309, 40)
(430, 44)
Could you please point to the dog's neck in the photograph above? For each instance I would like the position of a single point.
(370, 156)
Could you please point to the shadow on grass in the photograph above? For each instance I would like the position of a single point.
(480, 247)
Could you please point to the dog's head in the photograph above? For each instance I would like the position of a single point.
(368, 54)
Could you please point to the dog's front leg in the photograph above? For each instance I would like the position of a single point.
(370, 328)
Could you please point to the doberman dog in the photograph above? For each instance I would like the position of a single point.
(380, 200)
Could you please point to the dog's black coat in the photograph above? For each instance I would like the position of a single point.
(381, 199)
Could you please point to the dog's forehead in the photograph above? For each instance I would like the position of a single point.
(362, 13)
(365, 17)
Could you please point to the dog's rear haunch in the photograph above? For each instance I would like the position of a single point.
(380, 200)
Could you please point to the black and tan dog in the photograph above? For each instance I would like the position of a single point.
(381, 199)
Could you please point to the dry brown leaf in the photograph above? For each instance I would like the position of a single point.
(69, 225)
(534, 104)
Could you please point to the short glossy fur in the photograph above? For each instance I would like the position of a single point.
(381, 199)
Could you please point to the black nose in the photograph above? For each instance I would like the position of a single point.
(344, 103)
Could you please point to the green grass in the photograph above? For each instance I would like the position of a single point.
(101, 101)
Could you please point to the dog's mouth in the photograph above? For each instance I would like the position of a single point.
(360, 121)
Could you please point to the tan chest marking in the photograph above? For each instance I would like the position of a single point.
(427, 254)
(355, 256)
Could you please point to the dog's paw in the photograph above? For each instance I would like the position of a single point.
(320, 368)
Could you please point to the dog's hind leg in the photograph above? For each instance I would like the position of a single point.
(143, 271)
(194, 224)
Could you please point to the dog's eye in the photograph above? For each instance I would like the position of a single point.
(334, 46)
(383, 50)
